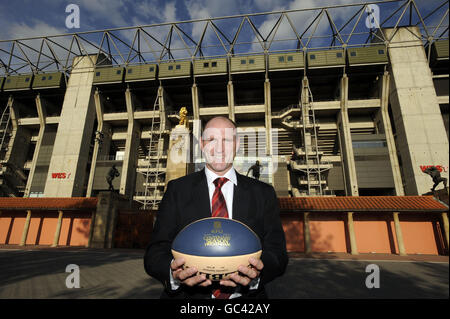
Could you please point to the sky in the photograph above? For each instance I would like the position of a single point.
(32, 18)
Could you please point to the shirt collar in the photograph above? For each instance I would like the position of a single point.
(211, 176)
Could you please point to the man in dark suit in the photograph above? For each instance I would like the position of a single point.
(217, 191)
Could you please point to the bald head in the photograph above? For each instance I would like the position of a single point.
(220, 121)
(219, 144)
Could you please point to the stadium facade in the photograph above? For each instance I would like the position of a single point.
(362, 116)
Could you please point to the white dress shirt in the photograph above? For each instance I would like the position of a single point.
(228, 192)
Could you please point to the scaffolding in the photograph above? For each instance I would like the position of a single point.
(307, 163)
(153, 171)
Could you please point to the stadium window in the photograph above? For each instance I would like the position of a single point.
(118, 72)
(214, 64)
(178, 67)
(339, 55)
(97, 74)
(152, 69)
(50, 77)
(130, 71)
(43, 78)
(380, 51)
(352, 53)
(243, 61)
(290, 58)
(27, 80)
(206, 65)
(281, 59)
(170, 67)
(251, 61)
(312, 56)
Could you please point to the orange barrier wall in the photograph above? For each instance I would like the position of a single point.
(374, 232)
(75, 228)
(327, 232)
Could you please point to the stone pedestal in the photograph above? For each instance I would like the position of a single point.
(178, 155)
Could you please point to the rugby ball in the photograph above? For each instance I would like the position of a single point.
(216, 246)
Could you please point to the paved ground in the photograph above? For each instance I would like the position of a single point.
(119, 273)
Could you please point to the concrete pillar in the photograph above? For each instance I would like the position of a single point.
(345, 138)
(100, 147)
(446, 230)
(74, 136)
(128, 176)
(58, 229)
(25, 229)
(420, 130)
(20, 137)
(195, 101)
(268, 117)
(42, 117)
(399, 235)
(351, 233)
(386, 129)
(230, 97)
(306, 233)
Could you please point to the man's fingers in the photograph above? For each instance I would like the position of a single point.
(177, 263)
(186, 273)
(257, 263)
(196, 280)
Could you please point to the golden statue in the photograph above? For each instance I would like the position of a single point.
(183, 116)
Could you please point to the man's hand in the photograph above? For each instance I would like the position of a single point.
(245, 274)
(187, 276)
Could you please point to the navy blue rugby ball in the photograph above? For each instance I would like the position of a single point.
(216, 246)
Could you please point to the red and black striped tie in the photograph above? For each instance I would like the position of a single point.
(219, 209)
(219, 206)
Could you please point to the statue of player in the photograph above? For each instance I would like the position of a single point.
(112, 173)
(255, 168)
(435, 174)
(183, 116)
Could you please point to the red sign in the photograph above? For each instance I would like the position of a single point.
(60, 175)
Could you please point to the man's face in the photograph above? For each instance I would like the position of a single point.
(219, 145)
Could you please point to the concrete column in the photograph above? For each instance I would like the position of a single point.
(100, 148)
(128, 176)
(74, 137)
(399, 235)
(20, 137)
(421, 135)
(343, 124)
(58, 229)
(268, 116)
(25, 229)
(351, 233)
(42, 117)
(306, 233)
(195, 101)
(386, 129)
(445, 222)
(230, 97)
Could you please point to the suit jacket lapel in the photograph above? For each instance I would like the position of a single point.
(200, 196)
(240, 200)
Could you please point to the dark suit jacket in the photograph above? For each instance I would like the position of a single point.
(187, 200)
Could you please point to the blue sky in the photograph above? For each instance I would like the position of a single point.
(31, 18)
(23, 18)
